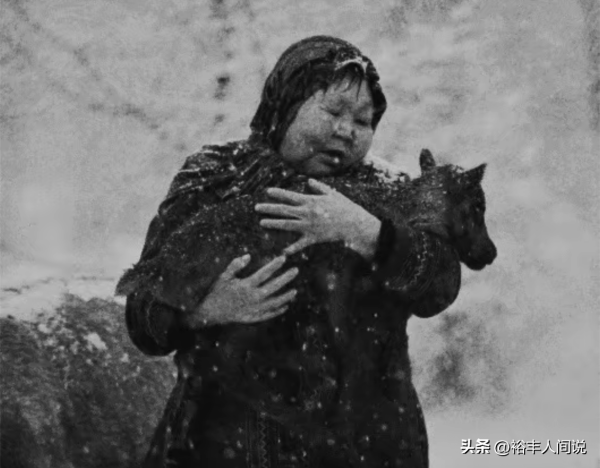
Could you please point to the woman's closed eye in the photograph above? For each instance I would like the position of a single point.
(363, 122)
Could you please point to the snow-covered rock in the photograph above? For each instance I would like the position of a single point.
(75, 392)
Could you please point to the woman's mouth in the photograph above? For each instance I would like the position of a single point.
(334, 158)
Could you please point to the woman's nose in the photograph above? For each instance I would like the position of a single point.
(344, 129)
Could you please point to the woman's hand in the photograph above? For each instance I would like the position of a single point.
(247, 300)
(327, 216)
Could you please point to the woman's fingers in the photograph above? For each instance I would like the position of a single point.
(279, 301)
(279, 209)
(283, 224)
(293, 198)
(319, 187)
(263, 274)
(276, 284)
(236, 265)
(298, 246)
(279, 311)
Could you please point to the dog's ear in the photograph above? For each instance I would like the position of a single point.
(426, 161)
(473, 177)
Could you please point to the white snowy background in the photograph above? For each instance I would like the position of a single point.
(103, 100)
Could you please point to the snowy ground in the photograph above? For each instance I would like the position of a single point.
(102, 101)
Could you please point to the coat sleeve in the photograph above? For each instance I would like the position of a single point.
(154, 323)
(419, 266)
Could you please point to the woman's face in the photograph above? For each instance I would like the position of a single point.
(331, 131)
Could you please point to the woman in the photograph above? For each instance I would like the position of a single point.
(320, 107)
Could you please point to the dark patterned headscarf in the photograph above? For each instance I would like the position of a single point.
(306, 67)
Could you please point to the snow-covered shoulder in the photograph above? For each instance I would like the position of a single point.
(385, 170)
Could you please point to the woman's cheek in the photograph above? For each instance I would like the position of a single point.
(365, 140)
(325, 125)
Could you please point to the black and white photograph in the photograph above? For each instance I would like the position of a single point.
(299, 234)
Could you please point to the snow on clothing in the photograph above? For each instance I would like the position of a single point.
(210, 419)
